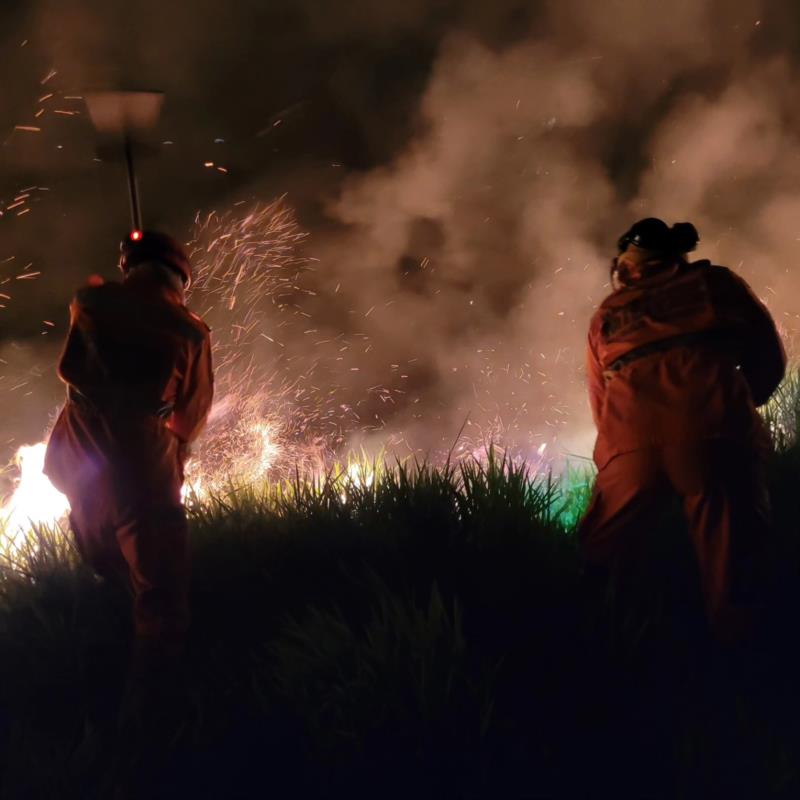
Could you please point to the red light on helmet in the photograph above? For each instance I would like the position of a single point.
(136, 236)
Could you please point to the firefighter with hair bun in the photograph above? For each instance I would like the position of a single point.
(680, 355)
(137, 366)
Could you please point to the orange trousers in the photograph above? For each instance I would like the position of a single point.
(149, 548)
(123, 479)
(721, 485)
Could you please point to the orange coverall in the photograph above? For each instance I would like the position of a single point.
(137, 365)
(678, 360)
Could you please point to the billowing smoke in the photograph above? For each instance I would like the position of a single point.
(474, 258)
(463, 171)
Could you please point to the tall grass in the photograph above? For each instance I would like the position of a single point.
(391, 630)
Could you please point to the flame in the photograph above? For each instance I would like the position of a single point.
(361, 475)
(269, 448)
(35, 500)
(245, 451)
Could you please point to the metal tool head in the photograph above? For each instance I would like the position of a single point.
(124, 113)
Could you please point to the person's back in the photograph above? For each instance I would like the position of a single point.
(679, 356)
(131, 345)
(683, 354)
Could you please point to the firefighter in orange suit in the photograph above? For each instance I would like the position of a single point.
(680, 355)
(137, 365)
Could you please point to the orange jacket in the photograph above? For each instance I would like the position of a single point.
(133, 353)
(726, 360)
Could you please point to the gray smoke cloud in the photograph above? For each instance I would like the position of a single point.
(521, 173)
(463, 169)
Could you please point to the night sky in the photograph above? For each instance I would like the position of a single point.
(463, 169)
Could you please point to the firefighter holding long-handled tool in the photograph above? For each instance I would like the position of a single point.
(137, 365)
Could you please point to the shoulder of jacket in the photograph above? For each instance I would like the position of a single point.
(191, 324)
(199, 321)
(725, 274)
(95, 292)
(619, 297)
(714, 269)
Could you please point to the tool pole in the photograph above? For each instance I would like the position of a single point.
(122, 118)
(133, 189)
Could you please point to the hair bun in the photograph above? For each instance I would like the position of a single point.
(684, 237)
